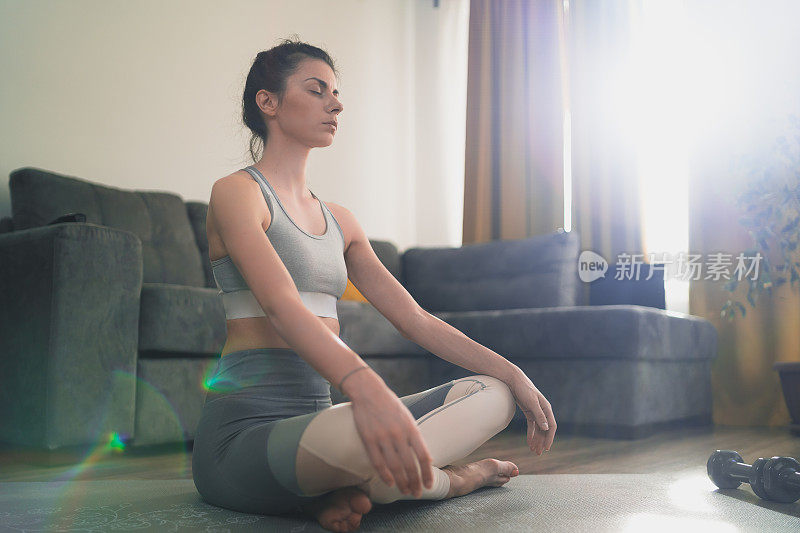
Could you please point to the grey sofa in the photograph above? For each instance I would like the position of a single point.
(109, 328)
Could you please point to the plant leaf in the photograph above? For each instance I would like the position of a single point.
(791, 225)
(731, 285)
(750, 298)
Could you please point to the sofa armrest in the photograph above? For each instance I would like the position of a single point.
(609, 371)
(69, 313)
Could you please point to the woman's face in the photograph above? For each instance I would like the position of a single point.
(311, 99)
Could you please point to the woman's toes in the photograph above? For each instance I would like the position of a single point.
(508, 468)
(359, 501)
(504, 468)
(342, 525)
(342, 509)
(354, 521)
(502, 471)
(347, 517)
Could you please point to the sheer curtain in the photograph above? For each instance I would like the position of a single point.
(606, 192)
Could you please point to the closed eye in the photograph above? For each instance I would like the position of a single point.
(315, 92)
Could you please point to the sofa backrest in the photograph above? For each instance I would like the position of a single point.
(389, 255)
(197, 212)
(158, 218)
(540, 271)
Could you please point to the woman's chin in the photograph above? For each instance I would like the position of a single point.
(326, 142)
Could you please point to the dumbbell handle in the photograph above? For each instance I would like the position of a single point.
(739, 471)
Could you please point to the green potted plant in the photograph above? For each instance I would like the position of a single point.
(771, 207)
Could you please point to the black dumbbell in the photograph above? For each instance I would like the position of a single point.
(776, 479)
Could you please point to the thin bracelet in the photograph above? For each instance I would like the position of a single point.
(348, 375)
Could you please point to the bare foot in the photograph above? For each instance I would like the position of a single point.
(486, 472)
(340, 510)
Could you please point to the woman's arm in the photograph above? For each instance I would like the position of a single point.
(392, 300)
(447, 342)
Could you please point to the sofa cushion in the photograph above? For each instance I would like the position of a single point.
(368, 333)
(584, 332)
(352, 293)
(159, 219)
(539, 271)
(180, 319)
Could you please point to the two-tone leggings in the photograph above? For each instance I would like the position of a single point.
(270, 440)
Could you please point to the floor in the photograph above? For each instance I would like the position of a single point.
(679, 451)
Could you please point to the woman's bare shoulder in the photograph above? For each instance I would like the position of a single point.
(239, 191)
(238, 176)
(341, 214)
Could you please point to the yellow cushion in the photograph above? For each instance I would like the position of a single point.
(351, 293)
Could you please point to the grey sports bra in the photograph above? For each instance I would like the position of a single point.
(315, 262)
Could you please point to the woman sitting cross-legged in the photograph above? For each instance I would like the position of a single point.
(269, 440)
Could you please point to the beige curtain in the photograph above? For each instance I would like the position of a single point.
(514, 142)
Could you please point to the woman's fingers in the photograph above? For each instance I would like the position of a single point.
(534, 436)
(541, 417)
(406, 453)
(393, 442)
(535, 413)
(395, 464)
(538, 413)
(540, 440)
(551, 433)
(377, 460)
(531, 429)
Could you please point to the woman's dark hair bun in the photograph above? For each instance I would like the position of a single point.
(269, 71)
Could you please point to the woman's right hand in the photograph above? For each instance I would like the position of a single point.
(390, 434)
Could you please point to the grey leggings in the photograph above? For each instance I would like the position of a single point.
(270, 440)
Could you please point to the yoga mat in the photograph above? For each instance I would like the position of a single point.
(569, 503)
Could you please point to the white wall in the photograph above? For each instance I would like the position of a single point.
(146, 94)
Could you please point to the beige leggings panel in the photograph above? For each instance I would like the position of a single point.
(331, 454)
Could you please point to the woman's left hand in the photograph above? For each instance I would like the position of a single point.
(537, 410)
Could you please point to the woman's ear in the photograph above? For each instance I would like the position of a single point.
(267, 102)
